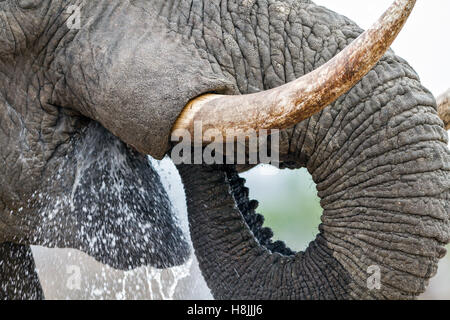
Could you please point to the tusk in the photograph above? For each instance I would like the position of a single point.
(286, 106)
(443, 102)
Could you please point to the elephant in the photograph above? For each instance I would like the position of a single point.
(89, 89)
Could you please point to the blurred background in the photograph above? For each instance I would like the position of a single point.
(288, 199)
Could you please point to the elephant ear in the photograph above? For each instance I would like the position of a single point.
(108, 201)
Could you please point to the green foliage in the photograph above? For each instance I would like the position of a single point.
(289, 202)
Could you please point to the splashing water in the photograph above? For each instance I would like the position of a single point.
(72, 274)
(59, 270)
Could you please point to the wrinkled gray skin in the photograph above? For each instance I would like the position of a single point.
(378, 155)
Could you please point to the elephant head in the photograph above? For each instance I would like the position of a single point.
(88, 88)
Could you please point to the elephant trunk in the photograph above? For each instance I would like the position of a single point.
(238, 258)
(380, 160)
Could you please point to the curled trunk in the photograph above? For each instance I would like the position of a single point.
(400, 232)
(378, 155)
(380, 160)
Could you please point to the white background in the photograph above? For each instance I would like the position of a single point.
(424, 41)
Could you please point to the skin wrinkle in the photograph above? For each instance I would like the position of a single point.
(240, 59)
(10, 29)
(21, 30)
(351, 156)
(367, 206)
(395, 215)
(314, 293)
(335, 125)
(353, 244)
(371, 240)
(335, 274)
(324, 275)
(339, 185)
(352, 230)
(379, 184)
(330, 275)
(237, 57)
(346, 183)
(390, 225)
(12, 33)
(338, 247)
(381, 154)
(355, 150)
